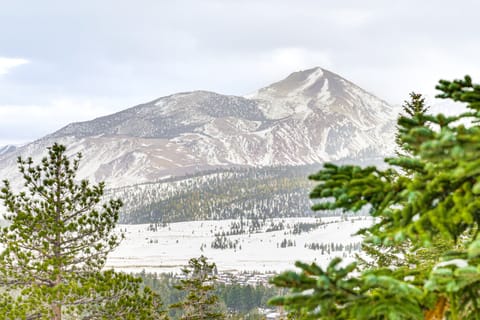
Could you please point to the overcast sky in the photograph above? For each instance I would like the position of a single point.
(65, 61)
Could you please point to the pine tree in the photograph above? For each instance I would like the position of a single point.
(200, 302)
(56, 242)
(413, 114)
(426, 202)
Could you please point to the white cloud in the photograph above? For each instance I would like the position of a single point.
(8, 63)
(58, 111)
(24, 123)
(349, 17)
(284, 61)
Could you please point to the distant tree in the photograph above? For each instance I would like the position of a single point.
(200, 302)
(427, 202)
(55, 244)
(414, 114)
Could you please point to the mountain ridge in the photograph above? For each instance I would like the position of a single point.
(311, 116)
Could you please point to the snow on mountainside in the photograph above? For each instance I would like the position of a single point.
(7, 149)
(311, 116)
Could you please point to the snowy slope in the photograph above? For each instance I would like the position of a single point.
(7, 149)
(312, 116)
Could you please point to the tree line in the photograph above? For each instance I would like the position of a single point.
(245, 193)
(235, 299)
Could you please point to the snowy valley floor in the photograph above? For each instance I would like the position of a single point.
(170, 247)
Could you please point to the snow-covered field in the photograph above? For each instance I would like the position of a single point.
(170, 247)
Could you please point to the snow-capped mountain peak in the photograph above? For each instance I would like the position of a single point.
(319, 90)
(311, 116)
(296, 83)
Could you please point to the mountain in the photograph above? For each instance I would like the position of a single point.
(309, 117)
(7, 149)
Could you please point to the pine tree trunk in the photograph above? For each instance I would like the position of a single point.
(439, 311)
(57, 312)
(57, 307)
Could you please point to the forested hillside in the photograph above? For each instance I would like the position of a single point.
(221, 194)
(238, 299)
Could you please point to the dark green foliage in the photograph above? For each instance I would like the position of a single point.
(334, 294)
(423, 249)
(242, 299)
(120, 296)
(239, 298)
(414, 115)
(200, 302)
(55, 245)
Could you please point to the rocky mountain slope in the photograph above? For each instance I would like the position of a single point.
(7, 149)
(310, 117)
